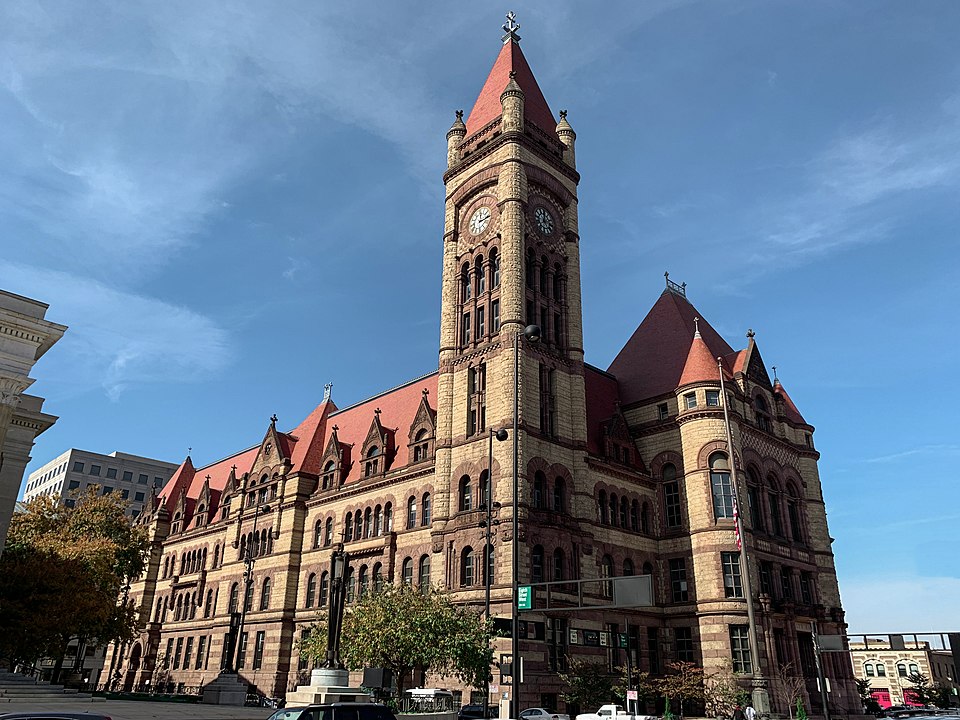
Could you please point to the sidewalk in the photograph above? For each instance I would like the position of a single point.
(132, 710)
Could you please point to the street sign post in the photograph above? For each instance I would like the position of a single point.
(524, 597)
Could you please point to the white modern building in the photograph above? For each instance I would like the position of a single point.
(132, 477)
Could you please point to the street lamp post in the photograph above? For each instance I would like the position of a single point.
(532, 334)
(248, 562)
(501, 435)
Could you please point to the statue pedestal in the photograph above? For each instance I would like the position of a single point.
(227, 689)
(327, 685)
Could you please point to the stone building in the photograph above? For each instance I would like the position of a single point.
(623, 471)
(25, 335)
(887, 662)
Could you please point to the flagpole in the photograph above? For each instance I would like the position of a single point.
(761, 700)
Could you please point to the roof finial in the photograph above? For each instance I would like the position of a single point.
(459, 114)
(750, 333)
(696, 327)
(273, 419)
(327, 390)
(376, 412)
(775, 378)
(510, 27)
(563, 114)
(189, 450)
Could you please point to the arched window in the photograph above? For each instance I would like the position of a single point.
(902, 669)
(614, 506)
(624, 511)
(648, 570)
(558, 489)
(543, 276)
(364, 581)
(378, 520)
(358, 525)
(490, 568)
(881, 670)
(324, 589)
(671, 497)
(388, 517)
(558, 565)
(421, 446)
(248, 598)
(495, 268)
(720, 486)
(328, 532)
(348, 527)
(411, 512)
(793, 513)
(407, 571)
(773, 506)
(635, 516)
(536, 564)
(208, 606)
(317, 533)
(425, 518)
(466, 567)
(311, 590)
(425, 574)
(539, 485)
(557, 283)
(466, 287)
(530, 272)
(377, 577)
(166, 566)
(234, 597)
(368, 523)
(914, 669)
(481, 280)
(753, 499)
(372, 464)
(645, 519)
(327, 481)
(466, 494)
(179, 608)
(628, 567)
(602, 507)
(607, 571)
(868, 669)
(351, 582)
(484, 488)
(762, 413)
(265, 594)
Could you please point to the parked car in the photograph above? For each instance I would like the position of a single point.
(475, 712)
(539, 713)
(336, 711)
(53, 715)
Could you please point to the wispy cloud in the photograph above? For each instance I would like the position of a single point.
(941, 449)
(118, 339)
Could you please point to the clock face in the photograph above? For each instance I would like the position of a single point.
(544, 220)
(480, 220)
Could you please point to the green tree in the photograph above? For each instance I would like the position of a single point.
(587, 684)
(683, 682)
(63, 574)
(869, 702)
(722, 690)
(921, 691)
(401, 628)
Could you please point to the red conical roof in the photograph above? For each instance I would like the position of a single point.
(790, 410)
(487, 107)
(701, 365)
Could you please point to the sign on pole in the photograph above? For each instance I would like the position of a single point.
(631, 695)
(524, 597)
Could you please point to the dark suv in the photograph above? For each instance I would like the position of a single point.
(336, 711)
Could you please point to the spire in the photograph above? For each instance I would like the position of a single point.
(487, 108)
(510, 27)
(701, 366)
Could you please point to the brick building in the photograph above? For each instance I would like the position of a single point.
(887, 662)
(622, 471)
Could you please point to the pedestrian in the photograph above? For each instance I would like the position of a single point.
(750, 712)
(738, 713)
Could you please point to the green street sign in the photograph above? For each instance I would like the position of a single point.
(622, 640)
(524, 597)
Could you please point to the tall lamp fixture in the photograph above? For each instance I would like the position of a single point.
(500, 435)
(249, 559)
(531, 333)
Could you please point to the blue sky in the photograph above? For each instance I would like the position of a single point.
(233, 204)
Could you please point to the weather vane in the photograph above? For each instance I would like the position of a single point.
(510, 27)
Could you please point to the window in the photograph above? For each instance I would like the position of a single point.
(74, 484)
(248, 598)
(138, 496)
(425, 512)
(606, 571)
(539, 481)
(208, 606)
(720, 486)
(914, 669)
(467, 567)
(663, 412)
(188, 653)
(425, 574)
(407, 572)
(902, 669)
(142, 479)
(364, 582)
(411, 513)
(124, 494)
(265, 594)
(753, 498)
(740, 649)
(466, 287)
(324, 589)
(762, 413)
(793, 514)
(371, 467)
(481, 329)
(348, 527)
(806, 589)
(624, 512)
(107, 490)
(351, 582)
(311, 590)
(490, 572)
(765, 571)
(176, 656)
(732, 582)
(690, 400)
(684, 644)
(465, 335)
(328, 532)
(201, 650)
(328, 470)
(536, 564)
(547, 403)
(466, 494)
(476, 401)
(377, 577)
(558, 489)
(481, 276)
(776, 523)
(495, 262)
(671, 496)
(558, 565)
(95, 470)
(602, 507)
(77, 466)
(495, 316)
(258, 649)
(713, 398)
(112, 475)
(678, 580)
(786, 582)
(881, 670)
(128, 477)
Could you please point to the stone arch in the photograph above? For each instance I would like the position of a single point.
(703, 457)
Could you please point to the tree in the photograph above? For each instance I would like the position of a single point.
(921, 692)
(587, 684)
(647, 687)
(867, 700)
(64, 573)
(683, 681)
(789, 686)
(401, 628)
(722, 690)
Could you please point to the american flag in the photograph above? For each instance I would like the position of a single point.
(736, 525)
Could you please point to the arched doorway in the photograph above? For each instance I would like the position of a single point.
(133, 667)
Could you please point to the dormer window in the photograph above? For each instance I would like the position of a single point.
(328, 473)
(371, 465)
(663, 411)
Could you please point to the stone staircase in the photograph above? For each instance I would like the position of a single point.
(16, 688)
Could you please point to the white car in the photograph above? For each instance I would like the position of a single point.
(542, 714)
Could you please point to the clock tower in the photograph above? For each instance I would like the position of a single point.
(510, 260)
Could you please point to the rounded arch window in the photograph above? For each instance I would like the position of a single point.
(720, 486)
(406, 571)
(558, 492)
(558, 565)
(424, 578)
(466, 494)
(602, 506)
(324, 588)
(539, 487)
(536, 564)
(467, 567)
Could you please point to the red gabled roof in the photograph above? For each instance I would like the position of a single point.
(790, 410)
(487, 107)
(652, 361)
(701, 365)
(602, 394)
